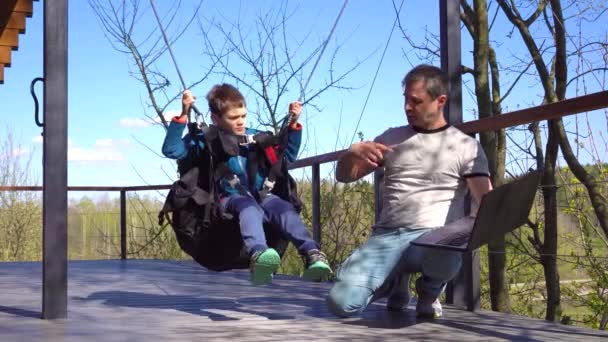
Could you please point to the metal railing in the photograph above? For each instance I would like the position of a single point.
(545, 112)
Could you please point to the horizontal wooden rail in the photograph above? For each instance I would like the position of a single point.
(550, 111)
(577, 105)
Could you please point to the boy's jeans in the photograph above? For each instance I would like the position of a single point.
(280, 215)
(369, 271)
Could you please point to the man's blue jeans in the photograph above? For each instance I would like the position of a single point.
(278, 213)
(373, 267)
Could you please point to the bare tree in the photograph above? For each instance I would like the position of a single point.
(549, 55)
(20, 211)
(121, 21)
(262, 57)
(486, 75)
(553, 77)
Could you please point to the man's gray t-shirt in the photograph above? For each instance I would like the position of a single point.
(425, 176)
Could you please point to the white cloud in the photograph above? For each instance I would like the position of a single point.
(147, 122)
(105, 143)
(168, 115)
(37, 139)
(18, 152)
(93, 155)
(104, 150)
(134, 123)
(15, 153)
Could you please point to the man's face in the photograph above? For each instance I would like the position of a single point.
(421, 109)
(234, 120)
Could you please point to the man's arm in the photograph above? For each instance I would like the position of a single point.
(478, 186)
(360, 160)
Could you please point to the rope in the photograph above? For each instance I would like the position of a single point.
(323, 49)
(289, 118)
(377, 71)
(162, 30)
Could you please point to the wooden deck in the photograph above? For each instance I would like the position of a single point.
(150, 300)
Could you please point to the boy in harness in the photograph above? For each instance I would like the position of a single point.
(240, 196)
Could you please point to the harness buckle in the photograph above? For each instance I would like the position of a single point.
(234, 182)
(268, 185)
(248, 139)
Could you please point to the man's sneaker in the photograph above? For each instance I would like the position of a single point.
(317, 267)
(429, 310)
(263, 265)
(399, 296)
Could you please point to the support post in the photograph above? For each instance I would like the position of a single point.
(316, 202)
(55, 147)
(123, 224)
(464, 289)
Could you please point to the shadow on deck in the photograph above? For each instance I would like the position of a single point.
(150, 300)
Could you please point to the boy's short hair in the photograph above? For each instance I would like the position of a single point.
(223, 97)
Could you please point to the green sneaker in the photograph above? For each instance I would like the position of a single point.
(317, 267)
(263, 265)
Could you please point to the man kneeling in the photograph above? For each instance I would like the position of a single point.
(428, 168)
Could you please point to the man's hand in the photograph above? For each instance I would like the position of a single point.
(295, 109)
(372, 153)
(361, 159)
(187, 101)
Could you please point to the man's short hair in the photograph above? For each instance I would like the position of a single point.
(223, 97)
(435, 80)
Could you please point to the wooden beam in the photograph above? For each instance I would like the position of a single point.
(10, 37)
(585, 103)
(6, 9)
(25, 6)
(17, 21)
(576, 105)
(5, 55)
(451, 64)
(1, 73)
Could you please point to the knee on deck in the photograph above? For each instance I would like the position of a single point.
(346, 300)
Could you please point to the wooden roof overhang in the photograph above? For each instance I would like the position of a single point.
(13, 14)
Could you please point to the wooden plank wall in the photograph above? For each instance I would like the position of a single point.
(13, 14)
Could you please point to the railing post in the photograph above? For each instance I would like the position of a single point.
(123, 224)
(449, 16)
(316, 202)
(464, 289)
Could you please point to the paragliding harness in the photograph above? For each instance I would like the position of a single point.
(203, 229)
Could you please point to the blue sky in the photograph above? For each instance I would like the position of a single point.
(107, 107)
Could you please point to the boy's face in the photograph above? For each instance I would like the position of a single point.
(234, 120)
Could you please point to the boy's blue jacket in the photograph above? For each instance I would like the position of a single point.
(176, 147)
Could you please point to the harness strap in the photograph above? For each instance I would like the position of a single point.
(181, 192)
(252, 172)
(267, 145)
(223, 171)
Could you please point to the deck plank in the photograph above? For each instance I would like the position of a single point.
(149, 300)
